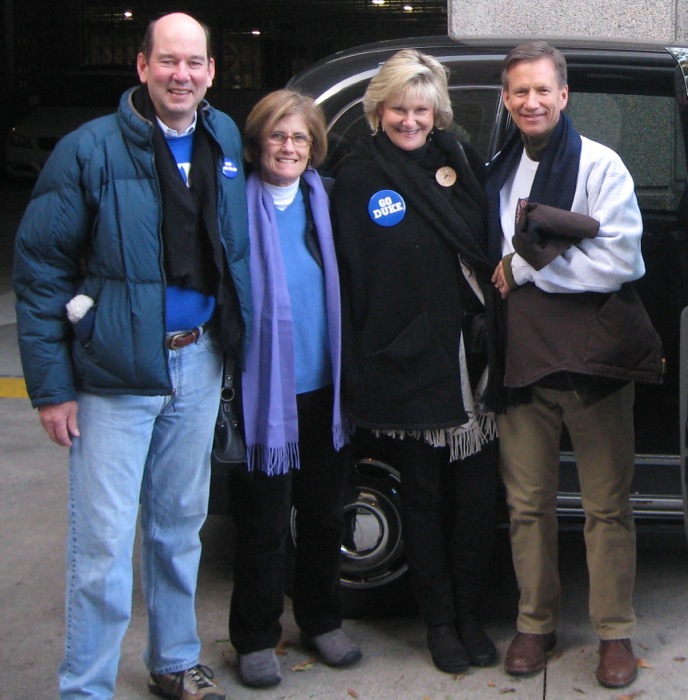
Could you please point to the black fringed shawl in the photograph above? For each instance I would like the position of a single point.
(458, 218)
(461, 220)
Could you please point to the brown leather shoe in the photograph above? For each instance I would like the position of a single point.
(618, 665)
(527, 653)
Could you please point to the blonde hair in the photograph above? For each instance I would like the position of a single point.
(275, 106)
(409, 73)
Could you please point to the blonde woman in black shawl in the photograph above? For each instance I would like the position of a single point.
(410, 233)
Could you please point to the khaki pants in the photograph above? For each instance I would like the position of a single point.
(604, 448)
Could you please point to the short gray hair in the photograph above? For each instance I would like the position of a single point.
(534, 51)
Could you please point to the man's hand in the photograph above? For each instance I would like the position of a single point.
(500, 281)
(59, 421)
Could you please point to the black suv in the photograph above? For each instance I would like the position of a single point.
(631, 97)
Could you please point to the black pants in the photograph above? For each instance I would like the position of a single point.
(449, 516)
(261, 507)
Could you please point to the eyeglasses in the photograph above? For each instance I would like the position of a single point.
(279, 138)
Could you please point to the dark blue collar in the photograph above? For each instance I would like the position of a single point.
(555, 179)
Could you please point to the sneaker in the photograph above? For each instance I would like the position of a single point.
(335, 648)
(186, 685)
(259, 669)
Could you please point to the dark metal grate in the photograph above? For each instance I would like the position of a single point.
(260, 44)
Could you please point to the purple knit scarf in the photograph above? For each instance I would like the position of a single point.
(269, 382)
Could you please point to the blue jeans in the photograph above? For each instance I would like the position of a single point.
(152, 450)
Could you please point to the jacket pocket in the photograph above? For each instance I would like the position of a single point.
(83, 329)
(413, 363)
(622, 338)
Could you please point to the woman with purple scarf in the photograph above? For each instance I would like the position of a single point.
(294, 428)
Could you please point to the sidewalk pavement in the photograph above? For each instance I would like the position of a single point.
(396, 664)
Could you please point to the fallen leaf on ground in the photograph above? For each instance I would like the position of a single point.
(490, 684)
(283, 646)
(579, 690)
(304, 665)
(555, 656)
(352, 692)
(631, 696)
(457, 676)
(504, 691)
(642, 663)
(642, 646)
(679, 658)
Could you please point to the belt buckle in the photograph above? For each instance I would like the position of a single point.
(176, 341)
(173, 339)
(184, 338)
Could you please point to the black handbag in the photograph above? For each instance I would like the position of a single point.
(474, 329)
(229, 446)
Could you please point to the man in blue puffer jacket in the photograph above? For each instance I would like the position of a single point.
(132, 280)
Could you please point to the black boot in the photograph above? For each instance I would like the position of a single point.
(479, 647)
(448, 654)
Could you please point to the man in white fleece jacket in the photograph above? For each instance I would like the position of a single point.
(577, 337)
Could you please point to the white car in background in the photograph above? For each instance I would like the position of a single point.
(80, 96)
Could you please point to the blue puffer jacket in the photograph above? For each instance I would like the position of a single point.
(99, 193)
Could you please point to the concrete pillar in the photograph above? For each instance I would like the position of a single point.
(649, 20)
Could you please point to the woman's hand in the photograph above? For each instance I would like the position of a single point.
(500, 281)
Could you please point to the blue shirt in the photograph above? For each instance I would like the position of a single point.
(186, 308)
(306, 286)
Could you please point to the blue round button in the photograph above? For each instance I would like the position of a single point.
(387, 208)
(230, 169)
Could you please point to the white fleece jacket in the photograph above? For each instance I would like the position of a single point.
(605, 191)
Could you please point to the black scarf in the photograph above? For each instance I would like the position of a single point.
(555, 179)
(187, 225)
(458, 219)
(193, 254)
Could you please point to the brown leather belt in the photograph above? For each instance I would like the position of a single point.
(175, 341)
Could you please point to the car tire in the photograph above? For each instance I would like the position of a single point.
(374, 573)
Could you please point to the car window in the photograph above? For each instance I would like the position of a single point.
(645, 130)
(475, 111)
(343, 132)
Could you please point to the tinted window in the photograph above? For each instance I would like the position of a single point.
(645, 131)
(342, 134)
(475, 111)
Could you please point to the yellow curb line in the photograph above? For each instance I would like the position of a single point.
(13, 388)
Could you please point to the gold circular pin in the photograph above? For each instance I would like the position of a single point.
(446, 176)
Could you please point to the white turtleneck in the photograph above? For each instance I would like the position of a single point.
(282, 196)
